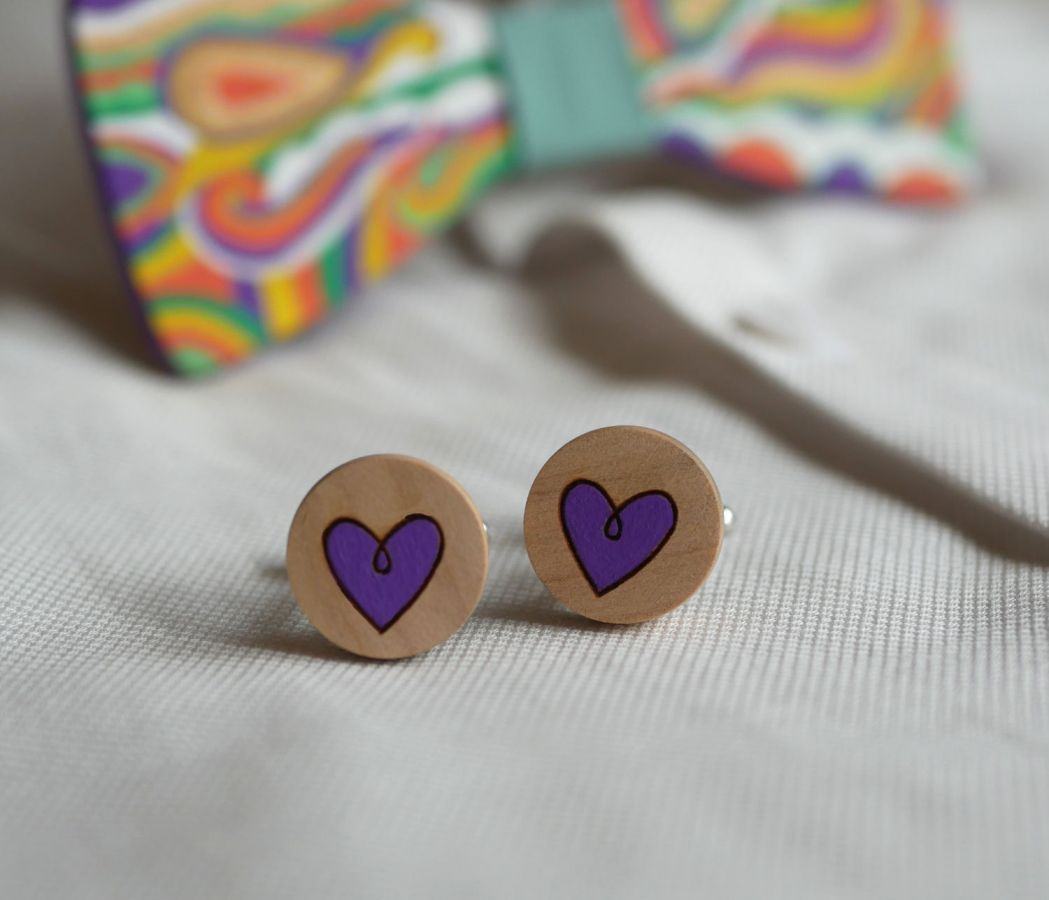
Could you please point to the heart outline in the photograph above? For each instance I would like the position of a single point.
(380, 544)
(616, 510)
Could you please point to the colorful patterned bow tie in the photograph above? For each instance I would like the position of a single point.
(262, 160)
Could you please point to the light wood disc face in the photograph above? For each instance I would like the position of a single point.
(623, 524)
(387, 556)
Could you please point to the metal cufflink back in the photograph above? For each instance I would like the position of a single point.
(624, 524)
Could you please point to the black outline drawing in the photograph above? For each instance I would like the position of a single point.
(380, 547)
(616, 510)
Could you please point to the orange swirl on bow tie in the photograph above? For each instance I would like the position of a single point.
(863, 55)
(438, 177)
(231, 89)
(234, 212)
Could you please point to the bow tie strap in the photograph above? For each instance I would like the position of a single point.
(574, 94)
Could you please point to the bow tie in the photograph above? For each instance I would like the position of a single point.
(262, 160)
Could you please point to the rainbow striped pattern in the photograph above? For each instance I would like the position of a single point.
(262, 160)
(241, 238)
(844, 95)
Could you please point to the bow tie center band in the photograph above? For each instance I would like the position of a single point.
(260, 161)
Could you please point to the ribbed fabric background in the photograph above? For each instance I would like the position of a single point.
(856, 704)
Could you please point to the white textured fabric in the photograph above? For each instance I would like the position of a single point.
(854, 706)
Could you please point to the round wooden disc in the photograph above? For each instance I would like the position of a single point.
(623, 524)
(387, 556)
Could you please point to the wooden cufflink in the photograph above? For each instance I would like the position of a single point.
(387, 556)
(624, 524)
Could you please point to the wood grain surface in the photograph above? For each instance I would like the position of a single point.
(626, 462)
(381, 492)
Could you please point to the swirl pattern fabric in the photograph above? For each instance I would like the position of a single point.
(262, 160)
(855, 95)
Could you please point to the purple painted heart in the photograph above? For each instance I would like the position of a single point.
(382, 578)
(613, 543)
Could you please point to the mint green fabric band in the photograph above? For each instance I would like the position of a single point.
(574, 95)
